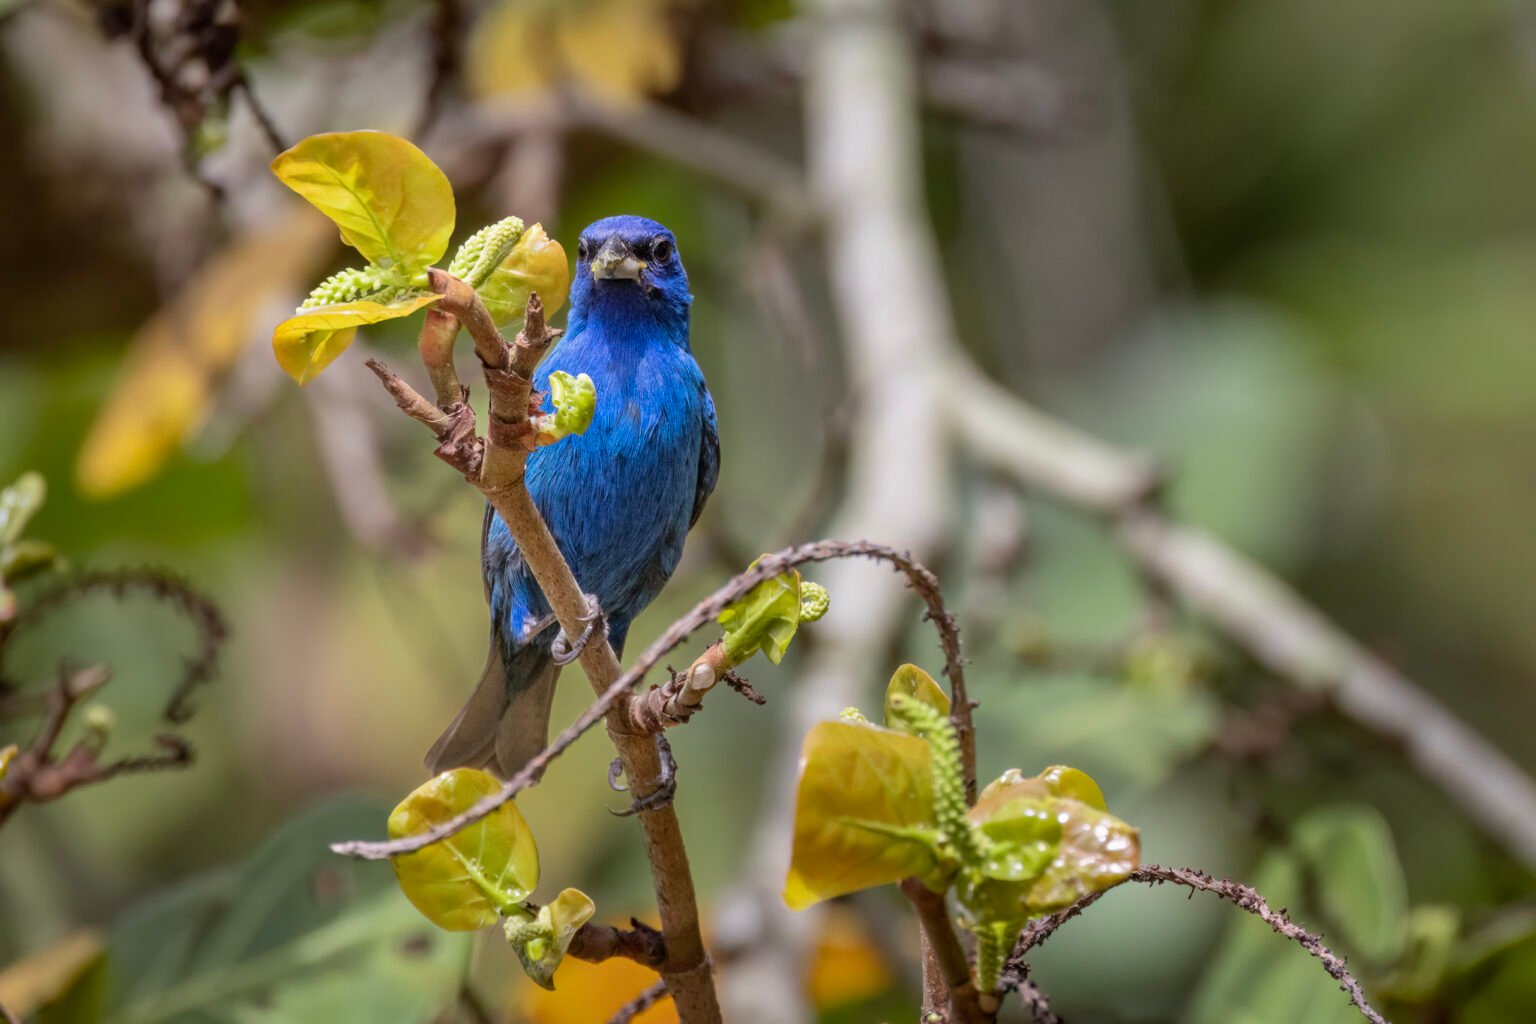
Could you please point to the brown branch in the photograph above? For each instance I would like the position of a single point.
(509, 379)
(595, 943)
(638, 1005)
(36, 775)
(1242, 896)
(965, 1000)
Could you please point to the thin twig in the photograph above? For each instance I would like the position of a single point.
(638, 1005)
(1242, 896)
(447, 54)
(161, 587)
(259, 111)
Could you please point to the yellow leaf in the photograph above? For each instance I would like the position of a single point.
(464, 882)
(911, 681)
(848, 966)
(42, 976)
(310, 341)
(621, 49)
(177, 360)
(864, 812)
(392, 203)
(536, 263)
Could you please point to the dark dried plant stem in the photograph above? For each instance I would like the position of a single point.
(1242, 896)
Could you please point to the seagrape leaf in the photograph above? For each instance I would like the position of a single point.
(864, 812)
(1050, 841)
(293, 934)
(1357, 878)
(392, 203)
(536, 263)
(19, 503)
(574, 400)
(541, 944)
(311, 340)
(765, 619)
(464, 882)
(911, 681)
(180, 357)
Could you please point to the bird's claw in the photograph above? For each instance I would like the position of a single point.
(664, 793)
(563, 650)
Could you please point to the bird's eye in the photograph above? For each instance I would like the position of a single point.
(661, 250)
(583, 249)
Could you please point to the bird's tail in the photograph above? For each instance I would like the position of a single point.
(505, 722)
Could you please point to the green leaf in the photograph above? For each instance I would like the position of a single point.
(541, 944)
(764, 619)
(294, 934)
(19, 503)
(1357, 879)
(911, 681)
(574, 400)
(536, 263)
(1048, 842)
(468, 880)
(307, 343)
(392, 203)
(864, 813)
(1433, 934)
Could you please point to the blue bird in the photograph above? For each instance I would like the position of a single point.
(619, 499)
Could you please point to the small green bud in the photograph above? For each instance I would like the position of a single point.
(853, 715)
(814, 601)
(924, 720)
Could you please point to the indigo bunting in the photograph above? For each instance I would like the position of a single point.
(619, 498)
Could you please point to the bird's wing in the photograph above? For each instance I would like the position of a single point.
(485, 537)
(709, 460)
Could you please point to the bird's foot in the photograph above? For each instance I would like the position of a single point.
(663, 794)
(593, 623)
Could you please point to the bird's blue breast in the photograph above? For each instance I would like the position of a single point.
(619, 497)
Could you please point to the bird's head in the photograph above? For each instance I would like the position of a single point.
(629, 267)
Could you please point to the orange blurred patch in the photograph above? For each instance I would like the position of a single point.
(848, 968)
(594, 992)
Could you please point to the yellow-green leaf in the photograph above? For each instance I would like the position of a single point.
(911, 681)
(1060, 812)
(392, 203)
(310, 341)
(19, 503)
(575, 402)
(864, 812)
(536, 263)
(468, 880)
(764, 619)
(541, 944)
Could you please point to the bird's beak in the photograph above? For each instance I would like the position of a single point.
(614, 260)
